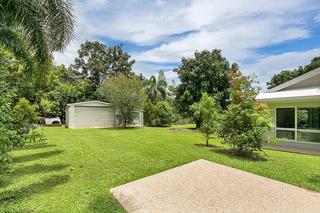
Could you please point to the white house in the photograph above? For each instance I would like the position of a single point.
(95, 114)
(295, 109)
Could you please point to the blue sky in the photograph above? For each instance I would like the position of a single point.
(263, 37)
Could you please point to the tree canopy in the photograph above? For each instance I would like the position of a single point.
(205, 72)
(96, 62)
(287, 75)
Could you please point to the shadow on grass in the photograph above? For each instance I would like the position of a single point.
(184, 129)
(315, 179)
(29, 170)
(32, 189)
(36, 156)
(241, 155)
(105, 203)
(38, 168)
(209, 146)
(35, 146)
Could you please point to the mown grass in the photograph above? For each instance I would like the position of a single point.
(76, 168)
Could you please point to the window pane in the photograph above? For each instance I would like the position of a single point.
(309, 136)
(285, 117)
(285, 134)
(308, 118)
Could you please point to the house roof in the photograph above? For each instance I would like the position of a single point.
(308, 75)
(305, 93)
(90, 103)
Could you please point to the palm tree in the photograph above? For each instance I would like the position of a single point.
(157, 89)
(33, 29)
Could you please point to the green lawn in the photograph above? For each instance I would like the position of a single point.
(75, 169)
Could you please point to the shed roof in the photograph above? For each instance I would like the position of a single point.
(90, 103)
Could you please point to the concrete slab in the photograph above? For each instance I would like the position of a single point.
(203, 186)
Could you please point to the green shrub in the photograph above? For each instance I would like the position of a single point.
(24, 116)
(159, 114)
(246, 121)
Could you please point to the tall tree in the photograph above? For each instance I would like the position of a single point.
(32, 29)
(287, 75)
(157, 89)
(96, 62)
(206, 72)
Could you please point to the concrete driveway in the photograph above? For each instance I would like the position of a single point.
(203, 186)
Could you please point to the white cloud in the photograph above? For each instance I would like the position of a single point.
(238, 27)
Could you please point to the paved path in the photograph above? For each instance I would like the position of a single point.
(203, 186)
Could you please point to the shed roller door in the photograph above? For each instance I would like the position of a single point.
(99, 117)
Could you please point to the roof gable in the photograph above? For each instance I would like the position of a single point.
(91, 103)
(309, 79)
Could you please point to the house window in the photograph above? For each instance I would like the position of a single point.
(308, 118)
(285, 118)
(285, 123)
(308, 124)
(299, 123)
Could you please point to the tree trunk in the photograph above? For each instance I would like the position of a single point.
(198, 122)
(207, 140)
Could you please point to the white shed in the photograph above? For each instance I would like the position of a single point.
(95, 114)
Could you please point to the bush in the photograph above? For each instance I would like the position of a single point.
(246, 121)
(159, 114)
(24, 116)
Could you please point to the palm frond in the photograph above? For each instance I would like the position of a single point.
(12, 41)
(60, 23)
(24, 15)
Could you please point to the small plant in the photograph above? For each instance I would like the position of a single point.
(246, 121)
(24, 116)
(206, 111)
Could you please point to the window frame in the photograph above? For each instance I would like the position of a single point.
(295, 129)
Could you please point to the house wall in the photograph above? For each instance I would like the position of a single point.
(95, 116)
(284, 104)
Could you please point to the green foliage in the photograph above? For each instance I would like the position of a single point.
(157, 89)
(159, 114)
(24, 116)
(8, 135)
(126, 94)
(206, 72)
(287, 75)
(97, 62)
(33, 29)
(206, 111)
(246, 121)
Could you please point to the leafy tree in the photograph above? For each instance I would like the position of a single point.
(206, 111)
(287, 75)
(33, 29)
(126, 94)
(245, 122)
(206, 72)
(96, 62)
